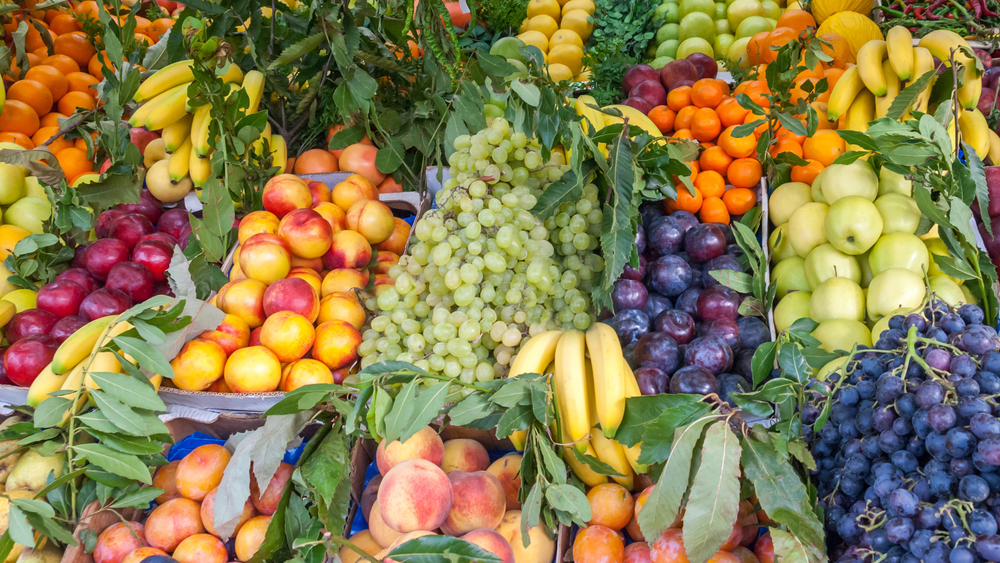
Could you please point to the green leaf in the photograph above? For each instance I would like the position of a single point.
(426, 407)
(127, 466)
(528, 92)
(571, 500)
(596, 465)
(737, 281)
(978, 173)
(17, 525)
(110, 190)
(642, 411)
(397, 413)
(788, 549)
(139, 445)
(777, 484)
(793, 364)
(714, 501)
(138, 499)
(323, 471)
(530, 511)
(955, 267)
(514, 392)
(435, 549)
(961, 219)
(909, 95)
(568, 188)
(849, 157)
(389, 157)
(118, 413)
(473, 408)
(51, 411)
(145, 356)
(792, 124)
(516, 418)
(763, 362)
(129, 390)
(296, 51)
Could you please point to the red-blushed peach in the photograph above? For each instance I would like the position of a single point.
(254, 369)
(372, 219)
(232, 334)
(360, 158)
(311, 263)
(396, 243)
(540, 548)
(294, 295)
(307, 233)
(304, 372)
(285, 193)
(165, 478)
(173, 521)
(220, 386)
(201, 548)
(310, 275)
(143, 552)
(208, 513)
(267, 502)
(320, 192)
(250, 537)
(287, 334)
(348, 250)
(633, 525)
(382, 283)
(201, 470)
(597, 544)
(415, 495)
(638, 553)
(384, 554)
(245, 299)
(117, 541)
(344, 280)
(381, 532)
(352, 189)
(390, 186)
(333, 215)
(235, 273)
(465, 455)
(669, 547)
(363, 540)
(198, 365)
(265, 258)
(257, 222)
(340, 306)
(479, 502)
(742, 553)
(336, 344)
(424, 444)
(492, 542)
(255, 337)
(384, 256)
(221, 293)
(339, 375)
(507, 470)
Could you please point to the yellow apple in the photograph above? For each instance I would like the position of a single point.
(837, 298)
(899, 250)
(842, 180)
(778, 244)
(825, 262)
(947, 290)
(853, 224)
(842, 334)
(891, 183)
(785, 199)
(790, 276)
(805, 227)
(791, 308)
(830, 367)
(893, 289)
(816, 190)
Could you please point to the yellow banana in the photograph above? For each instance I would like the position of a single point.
(899, 46)
(923, 62)
(200, 169)
(570, 386)
(861, 112)
(104, 362)
(535, 354)
(870, 57)
(844, 93)
(180, 162)
(994, 148)
(940, 43)
(635, 117)
(78, 346)
(45, 383)
(609, 377)
(612, 453)
(253, 83)
(975, 131)
(169, 110)
(164, 79)
(199, 131)
(258, 145)
(176, 133)
(892, 85)
(590, 393)
(632, 390)
(518, 438)
(589, 477)
(279, 152)
(590, 115)
(140, 116)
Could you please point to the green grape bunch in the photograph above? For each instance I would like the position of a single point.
(482, 273)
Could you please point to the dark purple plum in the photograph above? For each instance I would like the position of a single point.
(637, 274)
(665, 235)
(640, 239)
(131, 227)
(718, 302)
(709, 352)
(697, 274)
(744, 363)
(669, 275)
(726, 329)
(677, 324)
(629, 353)
(724, 262)
(732, 383)
(103, 254)
(727, 231)
(688, 302)
(652, 381)
(734, 250)
(658, 350)
(656, 304)
(78, 255)
(641, 104)
(753, 332)
(704, 242)
(173, 222)
(650, 210)
(651, 91)
(630, 325)
(675, 73)
(135, 280)
(687, 219)
(629, 294)
(694, 380)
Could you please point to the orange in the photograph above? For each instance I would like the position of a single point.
(807, 173)
(51, 15)
(786, 145)
(713, 210)
(143, 39)
(73, 100)
(663, 118)
(815, 72)
(687, 202)
(33, 93)
(731, 112)
(832, 76)
(695, 170)
(707, 93)
(82, 82)
(679, 98)
(798, 20)
(33, 40)
(44, 133)
(838, 48)
(51, 78)
(17, 138)
(51, 119)
(685, 117)
(715, 159)
(779, 37)
(744, 172)
(740, 200)
(825, 146)
(142, 25)
(95, 67)
(158, 27)
(710, 183)
(784, 134)
(756, 91)
(88, 9)
(62, 63)
(683, 134)
(18, 117)
(40, 52)
(751, 118)
(758, 47)
(64, 23)
(737, 147)
(74, 162)
(724, 85)
(76, 46)
(705, 125)
(798, 93)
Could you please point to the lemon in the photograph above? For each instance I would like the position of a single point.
(577, 20)
(559, 72)
(565, 36)
(545, 24)
(543, 8)
(536, 39)
(569, 55)
(587, 5)
(583, 77)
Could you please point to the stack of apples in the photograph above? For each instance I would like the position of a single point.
(846, 253)
(293, 305)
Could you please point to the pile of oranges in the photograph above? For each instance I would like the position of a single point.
(59, 83)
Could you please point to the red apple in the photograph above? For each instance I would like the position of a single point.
(161, 237)
(148, 206)
(27, 357)
(66, 326)
(61, 298)
(79, 276)
(103, 302)
(173, 222)
(30, 322)
(168, 5)
(4, 380)
(141, 137)
(131, 227)
(637, 74)
(134, 280)
(103, 254)
(105, 220)
(154, 255)
(163, 288)
(651, 91)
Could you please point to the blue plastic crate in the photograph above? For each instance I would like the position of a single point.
(192, 441)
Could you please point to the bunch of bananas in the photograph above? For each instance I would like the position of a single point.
(185, 130)
(591, 381)
(866, 91)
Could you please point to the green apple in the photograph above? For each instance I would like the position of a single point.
(688, 7)
(785, 199)
(660, 62)
(33, 188)
(891, 183)
(790, 275)
(668, 48)
(825, 262)
(830, 367)
(866, 269)
(853, 224)
(694, 45)
(778, 245)
(659, 13)
(842, 334)
(771, 10)
(697, 24)
(11, 183)
(722, 28)
(816, 190)
(668, 31)
(837, 298)
(506, 47)
(29, 213)
(899, 250)
(893, 289)
(723, 42)
(791, 308)
(947, 290)
(900, 213)
(772, 23)
(720, 11)
(842, 180)
(520, 72)
(738, 52)
(752, 26)
(805, 227)
(741, 10)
